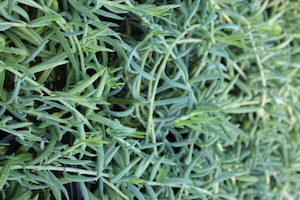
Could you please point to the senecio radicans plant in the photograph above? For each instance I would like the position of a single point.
(149, 99)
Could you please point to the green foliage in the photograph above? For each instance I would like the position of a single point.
(149, 99)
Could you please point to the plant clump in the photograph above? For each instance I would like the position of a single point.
(149, 99)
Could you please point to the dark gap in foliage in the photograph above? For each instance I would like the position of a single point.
(92, 186)
(90, 150)
(57, 78)
(30, 11)
(5, 136)
(202, 136)
(268, 13)
(37, 104)
(8, 138)
(123, 93)
(223, 61)
(206, 178)
(34, 119)
(90, 72)
(9, 84)
(176, 150)
(68, 138)
(146, 151)
(207, 84)
(12, 44)
(197, 149)
(7, 113)
(79, 108)
(73, 191)
(66, 115)
(143, 190)
(86, 129)
(175, 190)
(235, 91)
(93, 27)
(60, 5)
(37, 60)
(11, 140)
(161, 83)
(185, 135)
(170, 137)
(112, 56)
(52, 110)
(170, 71)
(137, 32)
(156, 115)
(99, 106)
(274, 181)
(99, 56)
(115, 107)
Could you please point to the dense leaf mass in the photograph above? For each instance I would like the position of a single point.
(149, 99)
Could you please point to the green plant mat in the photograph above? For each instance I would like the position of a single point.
(149, 99)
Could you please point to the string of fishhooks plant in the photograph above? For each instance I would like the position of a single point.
(149, 99)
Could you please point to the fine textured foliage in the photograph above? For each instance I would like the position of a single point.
(149, 99)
